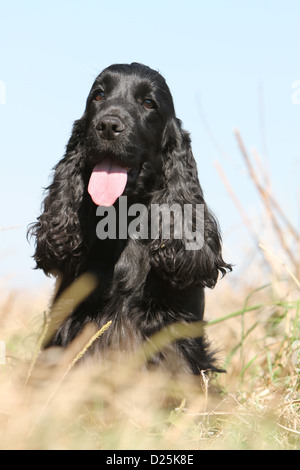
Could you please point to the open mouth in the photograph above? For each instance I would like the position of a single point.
(108, 181)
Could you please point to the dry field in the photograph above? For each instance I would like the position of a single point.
(254, 323)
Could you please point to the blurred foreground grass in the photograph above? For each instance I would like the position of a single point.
(255, 324)
(118, 406)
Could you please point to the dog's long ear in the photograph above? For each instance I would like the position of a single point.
(58, 230)
(191, 255)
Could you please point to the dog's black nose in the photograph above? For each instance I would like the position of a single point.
(110, 127)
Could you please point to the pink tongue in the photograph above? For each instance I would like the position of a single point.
(107, 182)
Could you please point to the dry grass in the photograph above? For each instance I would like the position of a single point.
(113, 405)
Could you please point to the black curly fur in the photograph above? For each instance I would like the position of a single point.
(143, 285)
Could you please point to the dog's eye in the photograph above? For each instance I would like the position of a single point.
(149, 104)
(99, 96)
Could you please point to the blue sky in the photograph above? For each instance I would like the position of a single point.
(228, 64)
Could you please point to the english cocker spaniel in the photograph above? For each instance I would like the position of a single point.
(126, 206)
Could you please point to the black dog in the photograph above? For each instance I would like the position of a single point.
(130, 143)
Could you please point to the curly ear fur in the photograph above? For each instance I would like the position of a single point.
(59, 231)
(169, 257)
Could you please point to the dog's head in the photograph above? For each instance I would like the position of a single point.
(126, 114)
